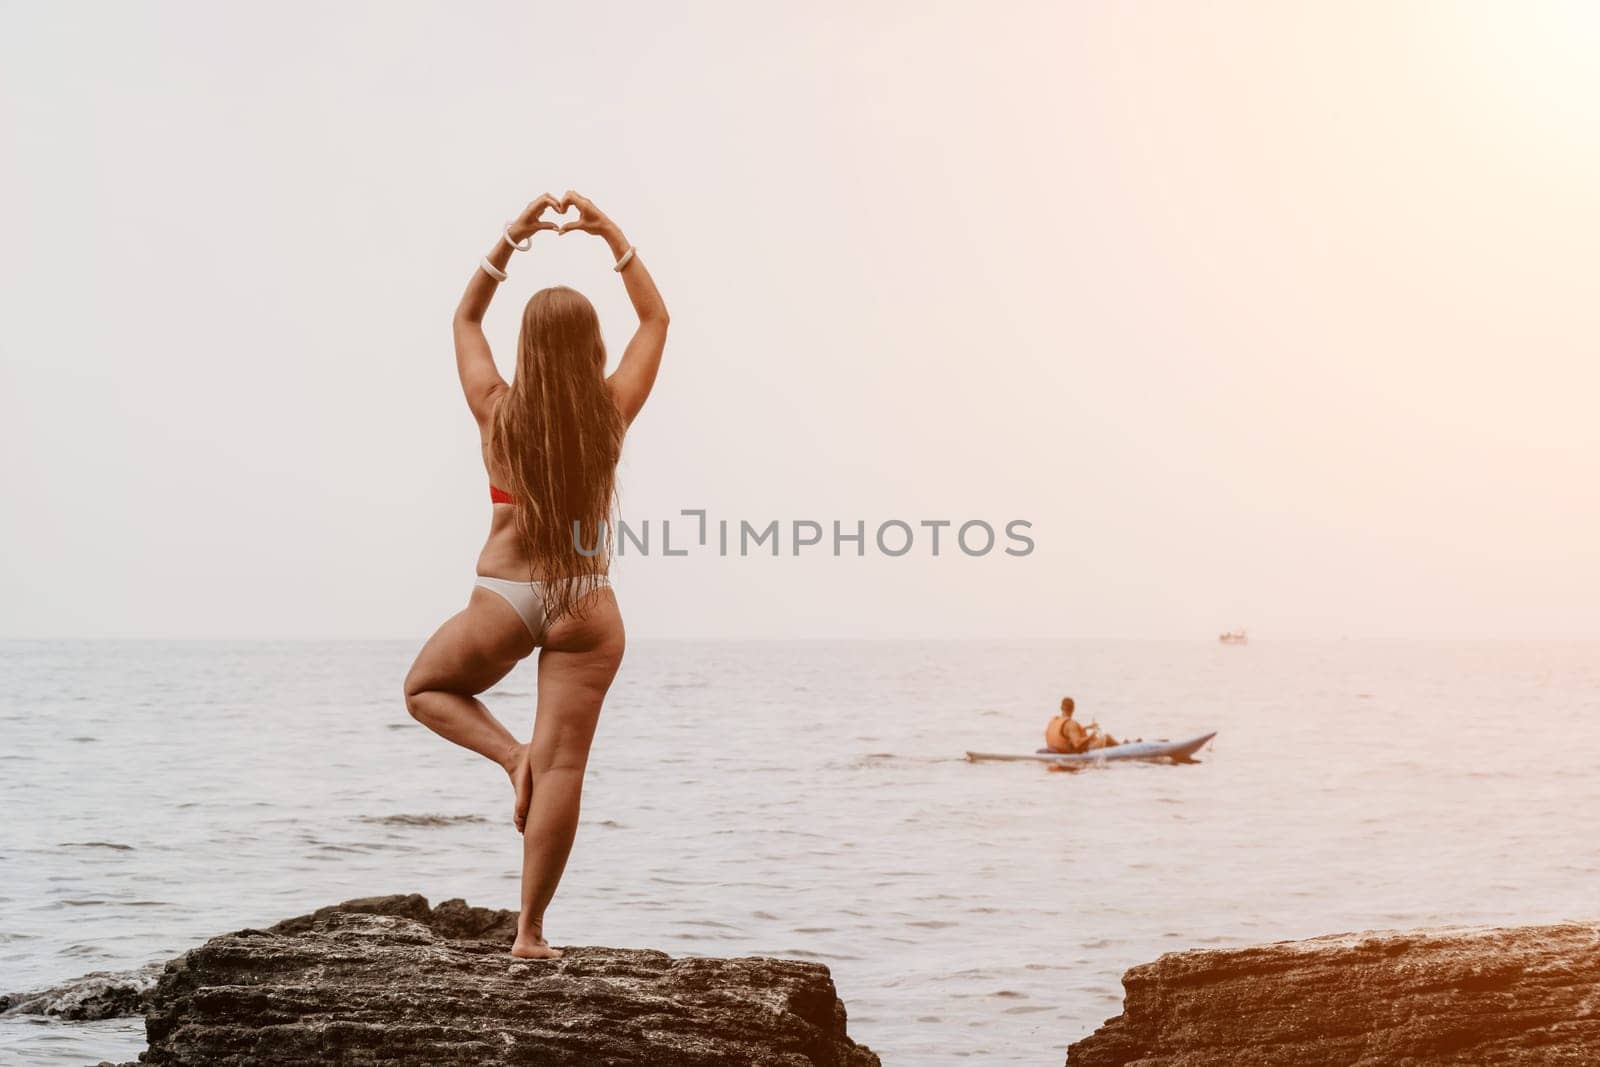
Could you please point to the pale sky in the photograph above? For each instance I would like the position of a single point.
(1275, 315)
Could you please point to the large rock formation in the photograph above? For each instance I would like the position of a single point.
(390, 981)
(1526, 995)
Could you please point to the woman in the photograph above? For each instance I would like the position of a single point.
(550, 440)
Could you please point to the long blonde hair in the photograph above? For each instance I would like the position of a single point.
(557, 434)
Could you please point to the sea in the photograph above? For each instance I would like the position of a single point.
(809, 800)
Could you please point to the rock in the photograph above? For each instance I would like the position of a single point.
(114, 994)
(1523, 995)
(98, 995)
(453, 919)
(387, 980)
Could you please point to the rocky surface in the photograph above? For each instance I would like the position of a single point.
(98, 995)
(1524, 995)
(389, 980)
(116, 994)
(454, 919)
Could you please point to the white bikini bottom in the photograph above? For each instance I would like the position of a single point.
(527, 599)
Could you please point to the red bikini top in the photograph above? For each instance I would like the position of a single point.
(499, 496)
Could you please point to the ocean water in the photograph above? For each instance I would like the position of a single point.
(808, 800)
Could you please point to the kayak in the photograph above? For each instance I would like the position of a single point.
(1145, 750)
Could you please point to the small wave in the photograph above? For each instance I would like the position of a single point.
(879, 759)
(88, 950)
(97, 844)
(420, 820)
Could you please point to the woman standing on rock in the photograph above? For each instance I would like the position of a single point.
(550, 439)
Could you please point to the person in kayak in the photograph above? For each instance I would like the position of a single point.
(1068, 735)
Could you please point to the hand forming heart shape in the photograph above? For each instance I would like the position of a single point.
(569, 214)
(588, 219)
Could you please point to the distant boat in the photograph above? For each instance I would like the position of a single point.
(1234, 637)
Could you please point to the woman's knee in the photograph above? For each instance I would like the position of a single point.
(416, 700)
(422, 688)
(415, 682)
(573, 758)
(565, 748)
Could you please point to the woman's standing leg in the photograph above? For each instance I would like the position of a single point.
(580, 658)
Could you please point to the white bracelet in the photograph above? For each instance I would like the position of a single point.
(627, 257)
(527, 242)
(491, 270)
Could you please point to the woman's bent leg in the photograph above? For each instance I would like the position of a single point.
(470, 653)
(580, 659)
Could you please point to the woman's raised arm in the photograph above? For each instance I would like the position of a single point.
(635, 375)
(480, 378)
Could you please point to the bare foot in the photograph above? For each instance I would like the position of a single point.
(516, 765)
(534, 949)
(531, 945)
